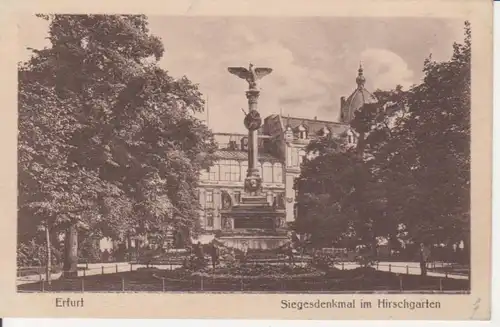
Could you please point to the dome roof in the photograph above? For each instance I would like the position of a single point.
(356, 100)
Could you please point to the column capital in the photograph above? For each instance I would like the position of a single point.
(252, 94)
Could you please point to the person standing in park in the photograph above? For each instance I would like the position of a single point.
(214, 253)
(199, 255)
(424, 258)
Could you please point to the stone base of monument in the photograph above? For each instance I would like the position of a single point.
(254, 242)
(254, 224)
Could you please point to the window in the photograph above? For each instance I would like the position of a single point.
(230, 170)
(224, 170)
(210, 197)
(210, 219)
(277, 173)
(244, 144)
(234, 171)
(302, 132)
(232, 145)
(237, 197)
(267, 168)
(213, 173)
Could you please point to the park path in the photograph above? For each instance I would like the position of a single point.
(412, 268)
(92, 269)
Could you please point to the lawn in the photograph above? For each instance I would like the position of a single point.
(180, 280)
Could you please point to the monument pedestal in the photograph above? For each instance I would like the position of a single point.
(254, 224)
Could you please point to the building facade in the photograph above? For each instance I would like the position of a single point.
(228, 174)
(282, 142)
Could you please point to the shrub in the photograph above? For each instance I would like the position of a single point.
(31, 254)
(325, 260)
(192, 263)
(89, 251)
(366, 259)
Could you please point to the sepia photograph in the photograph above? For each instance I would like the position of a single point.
(218, 159)
(253, 154)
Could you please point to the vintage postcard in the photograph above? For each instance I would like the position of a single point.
(233, 159)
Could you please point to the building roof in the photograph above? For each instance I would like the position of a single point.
(313, 126)
(357, 99)
(242, 155)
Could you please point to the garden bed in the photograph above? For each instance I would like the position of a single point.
(261, 272)
(264, 280)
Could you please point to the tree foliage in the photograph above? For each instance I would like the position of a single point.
(408, 180)
(107, 137)
(426, 163)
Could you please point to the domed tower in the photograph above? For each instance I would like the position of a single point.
(356, 100)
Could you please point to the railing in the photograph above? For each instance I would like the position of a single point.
(115, 279)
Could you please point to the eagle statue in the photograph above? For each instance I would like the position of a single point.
(251, 75)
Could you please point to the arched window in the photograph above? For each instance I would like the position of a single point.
(302, 132)
(267, 175)
(278, 173)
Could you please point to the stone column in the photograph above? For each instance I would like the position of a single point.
(252, 96)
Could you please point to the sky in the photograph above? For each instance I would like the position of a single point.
(314, 59)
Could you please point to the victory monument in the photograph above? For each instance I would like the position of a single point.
(254, 222)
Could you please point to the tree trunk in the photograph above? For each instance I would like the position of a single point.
(49, 256)
(55, 244)
(71, 252)
(129, 248)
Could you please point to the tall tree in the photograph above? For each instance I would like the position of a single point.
(409, 171)
(120, 142)
(427, 161)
